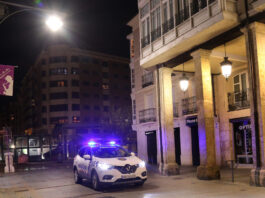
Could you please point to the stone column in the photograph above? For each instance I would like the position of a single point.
(9, 167)
(203, 80)
(168, 166)
(255, 47)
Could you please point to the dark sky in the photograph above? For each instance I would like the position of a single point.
(98, 25)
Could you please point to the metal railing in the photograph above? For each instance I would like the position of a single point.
(147, 79)
(196, 6)
(238, 100)
(175, 110)
(147, 115)
(182, 15)
(156, 33)
(145, 41)
(168, 25)
(189, 105)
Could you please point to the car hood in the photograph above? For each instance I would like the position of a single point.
(119, 161)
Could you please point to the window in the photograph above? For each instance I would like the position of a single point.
(58, 59)
(240, 86)
(61, 107)
(132, 78)
(74, 59)
(86, 107)
(59, 95)
(85, 59)
(105, 97)
(43, 109)
(86, 83)
(58, 83)
(75, 83)
(43, 73)
(106, 109)
(144, 11)
(58, 120)
(134, 109)
(154, 3)
(43, 62)
(44, 121)
(86, 95)
(43, 85)
(105, 64)
(43, 97)
(75, 107)
(105, 75)
(59, 71)
(74, 71)
(145, 30)
(97, 108)
(75, 119)
(105, 86)
(155, 24)
(75, 95)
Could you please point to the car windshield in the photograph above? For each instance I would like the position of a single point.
(109, 152)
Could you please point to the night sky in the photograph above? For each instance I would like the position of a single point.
(98, 25)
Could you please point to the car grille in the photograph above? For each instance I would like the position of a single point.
(127, 169)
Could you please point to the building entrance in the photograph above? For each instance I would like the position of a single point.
(151, 147)
(177, 145)
(243, 142)
(192, 122)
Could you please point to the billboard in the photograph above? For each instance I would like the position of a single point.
(6, 80)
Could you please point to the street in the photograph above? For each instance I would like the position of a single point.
(56, 181)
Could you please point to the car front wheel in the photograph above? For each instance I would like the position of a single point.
(78, 179)
(95, 181)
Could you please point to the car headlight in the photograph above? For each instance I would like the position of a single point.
(142, 164)
(104, 166)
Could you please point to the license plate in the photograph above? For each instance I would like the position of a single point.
(128, 176)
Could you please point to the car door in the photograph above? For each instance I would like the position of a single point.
(81, 162)
(87, 163)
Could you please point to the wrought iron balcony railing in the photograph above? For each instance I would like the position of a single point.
(156, 33)
(147, 115)
(145, 41)
(147, 79)
(175, 110)
(168, 25)
(189, 105)
(182, 15)
(238, 100)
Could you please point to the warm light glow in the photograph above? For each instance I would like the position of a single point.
(184, 83)
(226, 67)
(54, 23)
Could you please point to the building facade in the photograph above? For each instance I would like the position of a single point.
(216, 119)
(77, 94)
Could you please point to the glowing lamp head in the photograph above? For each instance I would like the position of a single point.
(54, 23)
(226, 67)
(92, 143)
(184, 83)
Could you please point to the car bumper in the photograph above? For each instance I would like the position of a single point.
(124, 182)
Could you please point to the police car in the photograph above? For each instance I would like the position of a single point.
(108, 164)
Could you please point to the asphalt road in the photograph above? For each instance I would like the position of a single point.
(56, 181)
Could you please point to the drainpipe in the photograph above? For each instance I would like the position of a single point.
(159, 114)
(253, 75)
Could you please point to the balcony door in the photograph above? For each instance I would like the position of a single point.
(240, 87)
(151, 147)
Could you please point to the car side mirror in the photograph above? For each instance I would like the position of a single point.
(87, 157)
(132, 154)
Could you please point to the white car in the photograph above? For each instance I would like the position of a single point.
(108, 164)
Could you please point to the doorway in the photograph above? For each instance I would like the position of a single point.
(151, 147)
(177, 145)
(195, 145)
(243, 142)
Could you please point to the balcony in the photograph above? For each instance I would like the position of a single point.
(175, 110)
(189, 106)
(147, 115)
(238, 100)
(145, 41)
(147, 80)
(193, 25)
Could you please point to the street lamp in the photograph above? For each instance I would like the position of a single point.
(226, 66)
(184, 81)
(54, 23)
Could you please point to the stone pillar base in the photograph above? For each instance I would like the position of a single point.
(169, 169)
(208, 172)
(9, 167)
(257, 177)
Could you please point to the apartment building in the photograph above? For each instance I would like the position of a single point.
(197, 94)
(77, 93)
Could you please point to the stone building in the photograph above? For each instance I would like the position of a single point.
(220, 116)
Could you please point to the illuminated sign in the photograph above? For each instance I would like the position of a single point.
(191, 121)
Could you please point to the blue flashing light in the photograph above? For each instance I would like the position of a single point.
(92, 143)
(112, 143)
